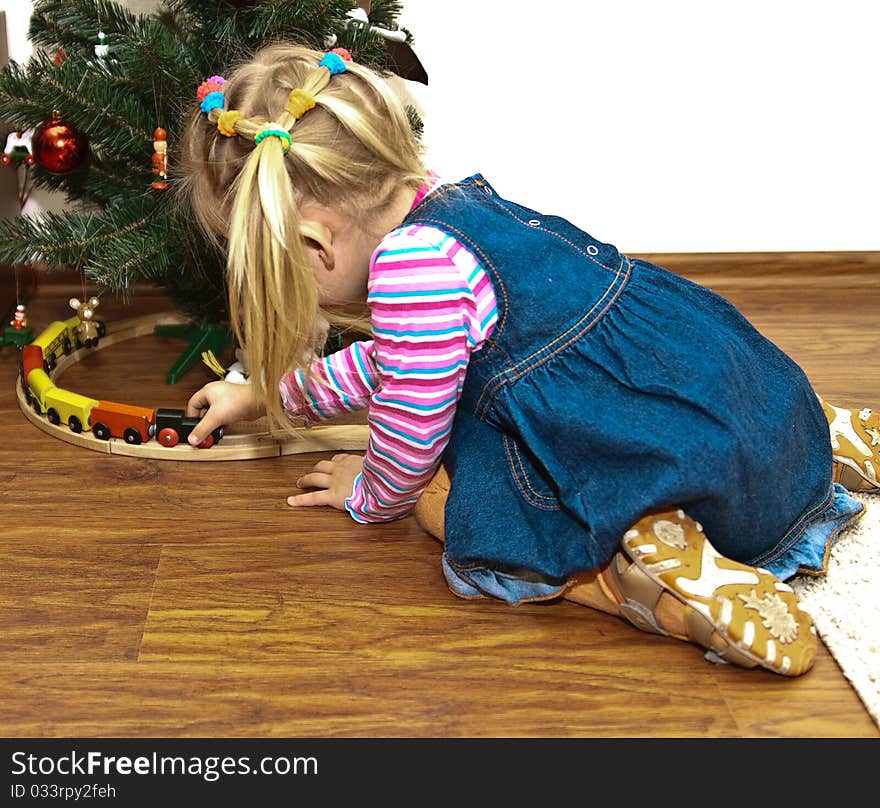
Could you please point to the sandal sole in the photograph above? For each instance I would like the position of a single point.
(854, 436)
(740, 614)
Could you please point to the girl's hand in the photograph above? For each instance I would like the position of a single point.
(334, 480)
(220, 403)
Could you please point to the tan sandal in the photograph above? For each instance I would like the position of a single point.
(855, 445)
(740, 614)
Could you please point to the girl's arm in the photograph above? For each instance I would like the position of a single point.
(341, 382)
(427, 318)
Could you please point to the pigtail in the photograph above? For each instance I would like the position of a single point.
(273, 300)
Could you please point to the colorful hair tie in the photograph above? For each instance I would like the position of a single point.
(226, 122)
(213, 84)
(334, 62)
(273, 129)
(211, 101)
(299, 102)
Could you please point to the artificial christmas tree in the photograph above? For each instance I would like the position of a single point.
(103, 84)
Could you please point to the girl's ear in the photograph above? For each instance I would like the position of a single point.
(322, 236)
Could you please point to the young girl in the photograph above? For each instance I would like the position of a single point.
(570, 421)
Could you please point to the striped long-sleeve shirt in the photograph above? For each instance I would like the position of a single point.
(432, 305)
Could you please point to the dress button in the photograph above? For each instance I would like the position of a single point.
(534, 223)
(593, 249)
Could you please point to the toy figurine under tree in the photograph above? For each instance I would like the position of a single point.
(106, 92)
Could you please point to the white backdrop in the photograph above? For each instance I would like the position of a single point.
(681, 125)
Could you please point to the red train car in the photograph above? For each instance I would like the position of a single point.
(31, 359)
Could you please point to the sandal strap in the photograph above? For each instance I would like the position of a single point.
(636, 594)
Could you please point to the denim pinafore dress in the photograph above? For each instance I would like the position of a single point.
(611, 387)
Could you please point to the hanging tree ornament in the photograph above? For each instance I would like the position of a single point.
(58, 146)
(19, 319)
(102, 48)
(18, 154)
(399, 55)
(18, 149)
(160, 158)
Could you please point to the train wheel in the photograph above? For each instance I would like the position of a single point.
(132, 436)
(207, 443)
(168, 437)
(53, 416)
(75, 424)
(36, 404)
(65, 346)
(101, 431)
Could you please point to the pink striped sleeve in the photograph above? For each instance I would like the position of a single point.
(426, 321)
(341, 382)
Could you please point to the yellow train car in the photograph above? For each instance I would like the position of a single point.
(39, 384)
(57, 404)
(56, 340)
(73, 325)
(73, 409)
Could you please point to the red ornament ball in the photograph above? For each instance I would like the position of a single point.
(58, 146)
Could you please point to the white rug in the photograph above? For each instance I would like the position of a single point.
(845, 603)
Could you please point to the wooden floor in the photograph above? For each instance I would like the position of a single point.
(151, 598)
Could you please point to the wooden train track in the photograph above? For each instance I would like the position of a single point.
(235, 445)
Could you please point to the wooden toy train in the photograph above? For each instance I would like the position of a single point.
(105, 419)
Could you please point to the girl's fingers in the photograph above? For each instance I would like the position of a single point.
(197, 405)
(333, 480)
(311, 498)
(325, 466)
(202, 429)
(314, 479)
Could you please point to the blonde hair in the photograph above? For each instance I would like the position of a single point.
(353, 152)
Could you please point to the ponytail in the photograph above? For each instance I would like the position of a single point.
(273, 299)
